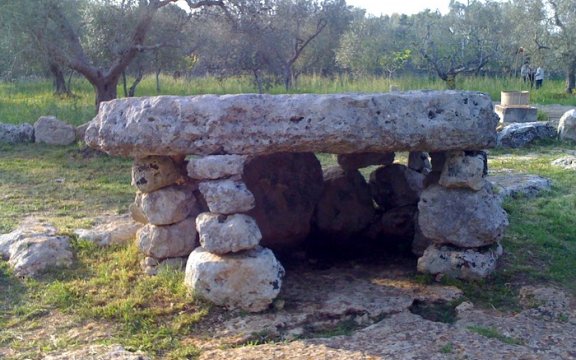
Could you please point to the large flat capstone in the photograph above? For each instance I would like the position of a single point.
(253, 124)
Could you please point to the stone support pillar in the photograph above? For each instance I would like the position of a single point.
(462, 219)
(230, 268)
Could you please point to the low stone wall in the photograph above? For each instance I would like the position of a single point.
(222, 179)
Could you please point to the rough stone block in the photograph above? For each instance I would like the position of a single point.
(221, 234)
(466, 264)
(215, 166)
(461, 217)
(249, 280)
(168, 205)
(168, 241)
(463, 171)
(516, 114)
(567, 126)
(16, 134)
(226, 196)
(155, 172)
(362, 160)
(49, 130)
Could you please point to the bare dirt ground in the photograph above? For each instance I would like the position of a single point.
(365, 310)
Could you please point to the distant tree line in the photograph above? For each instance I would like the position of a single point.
(276, 41)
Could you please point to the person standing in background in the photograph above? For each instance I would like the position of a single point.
(539, 77)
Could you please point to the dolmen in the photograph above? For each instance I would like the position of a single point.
(225, 181)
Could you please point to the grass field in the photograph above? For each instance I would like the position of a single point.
(107, 298)
(25, 101)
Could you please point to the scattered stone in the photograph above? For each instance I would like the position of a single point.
(16, 134)
(567, 162)
(168, 241)
(466, 264)
(461, 217)
(49, 130)
(99, 352)
(287, 188)
(419, 161)
(221, 234)
(515, 185)
(216, 166)
(114, 230)
(345, 207)
(227, 196)
(155, 172)
(257, 124)
(362, 160)
(521, 134)
(34, 247)
(249, 280)
(463, 171)
(395, 186)
(166, 206)
(567, 126)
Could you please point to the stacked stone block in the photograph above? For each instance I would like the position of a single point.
(461, 218)
(230, 268)
(166, 204)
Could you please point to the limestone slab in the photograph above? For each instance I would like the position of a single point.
(262, 124)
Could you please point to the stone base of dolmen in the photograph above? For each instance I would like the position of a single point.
(228, 213)
(266, 191)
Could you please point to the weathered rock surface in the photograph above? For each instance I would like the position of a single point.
(227, 196)
(168, 205)
(34, 247)
(249, 280)
(216, 166)
(463, 171)
(155, 172)
(567, 126)
(466, 264)
(420, 242)
(221, 234)
(286, 188)
(521, 134)
(81, 131)
(419, 161)
(16, 134)
(260, 124)
(111, 231)
(396, 186)
(567, 162)
(461, 217)
(395, 226)
(345, 207)
(362, 160)
(409, 336)
(50, 130)
(515, 184)
(545, 302)
(168, 241)
(99, 352)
